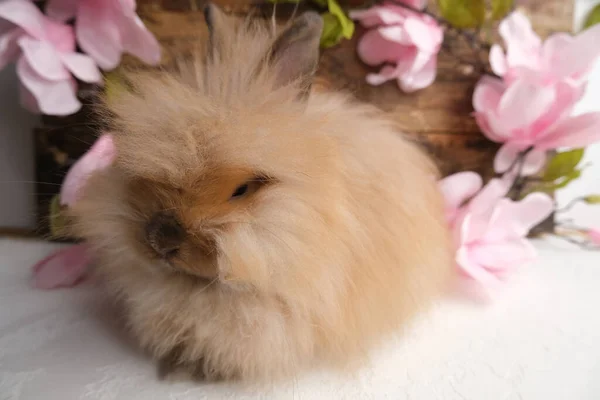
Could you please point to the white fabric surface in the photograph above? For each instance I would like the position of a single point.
(539, 340)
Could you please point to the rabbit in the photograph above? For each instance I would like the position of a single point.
(252, 228)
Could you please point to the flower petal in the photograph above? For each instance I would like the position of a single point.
(484, 125)
(572, 57)
(474, 270)
(487, 94)
(567, 95)
(515, 219)
(505, 157)
(97, 21)
(53, 97)
(373, 49)
(82, 66)
(458, 188)
(522, 43)
(395, 34)
(498, 60)
(502, 257)
(138, 40)
(554, 50)
(523, 103)
(426, 35)
(61, 36)
(43, 58)
(98, 157)
(23, 14)
(63, 268)
(62, 10)
(578, 131)
(471, 227)
(385, 74)
(488, 197)
(379, 15)
(419, 78)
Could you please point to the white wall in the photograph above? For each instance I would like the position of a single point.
(17, 202)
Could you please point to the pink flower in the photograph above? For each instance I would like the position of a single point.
(489, 229)
(525, 114)
(532, 106)
(98, 157)
(68, 266)
(46, 58)
(108, 28)
(405, 41)
(561, 57)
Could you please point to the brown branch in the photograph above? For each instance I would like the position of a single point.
(519, 181)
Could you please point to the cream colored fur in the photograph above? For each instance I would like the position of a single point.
(321, 266)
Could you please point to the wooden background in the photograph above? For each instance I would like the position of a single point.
(438, 117)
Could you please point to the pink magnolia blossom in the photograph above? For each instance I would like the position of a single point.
(489, 229)
(68, 266)
(532, 106)
(561, 57)
(406, 42)
(46, 58)
(108, 28)
(525, 114)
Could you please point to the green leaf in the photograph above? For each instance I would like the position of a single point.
(593, 17)
(592, 199)
(566, 179)
(57, 220)
(562, 165)
(336, 25)
(463, 13)
(500, 8)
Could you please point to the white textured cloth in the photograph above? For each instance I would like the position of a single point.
(539, 340)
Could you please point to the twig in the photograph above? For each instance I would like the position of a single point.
(519, 180)
(584, 245)
(570, 205)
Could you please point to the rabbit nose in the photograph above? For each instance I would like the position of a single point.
(165, 234)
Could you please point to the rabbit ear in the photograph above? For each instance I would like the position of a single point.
(295, 52)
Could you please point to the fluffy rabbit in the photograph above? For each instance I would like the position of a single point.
(250, 228)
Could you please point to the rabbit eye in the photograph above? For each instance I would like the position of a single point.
(240, 191)
(251, 186)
